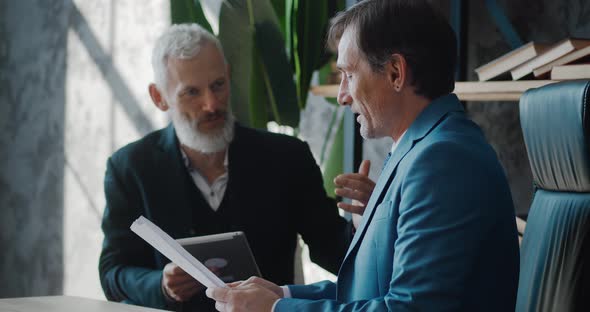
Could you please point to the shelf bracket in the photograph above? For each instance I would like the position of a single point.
(503, 24)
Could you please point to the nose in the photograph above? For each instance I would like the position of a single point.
(211, 102)
(344, 97)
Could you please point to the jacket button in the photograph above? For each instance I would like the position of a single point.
(192, 232)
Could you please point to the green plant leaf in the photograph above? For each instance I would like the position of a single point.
(277, 74)
(188, 11)
(280, 10)
(333, 165)
(259, 115)
(240, 22)
(236, 36)
(307, 22)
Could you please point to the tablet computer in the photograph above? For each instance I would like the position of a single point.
(228, 255)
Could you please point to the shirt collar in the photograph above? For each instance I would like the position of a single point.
(394, 145)
(187, 161)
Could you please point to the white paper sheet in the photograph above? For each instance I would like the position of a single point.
(165, 244)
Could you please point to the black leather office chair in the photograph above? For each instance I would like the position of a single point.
(555, 251)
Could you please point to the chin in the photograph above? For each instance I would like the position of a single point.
(208, 140)
(366, 133)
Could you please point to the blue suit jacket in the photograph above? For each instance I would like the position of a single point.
(438, 233)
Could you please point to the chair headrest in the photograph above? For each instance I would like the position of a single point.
(555, 123)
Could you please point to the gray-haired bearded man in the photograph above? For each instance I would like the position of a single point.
(205, 174)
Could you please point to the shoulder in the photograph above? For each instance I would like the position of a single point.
(138, 151)
(268, 142)
(456, 149)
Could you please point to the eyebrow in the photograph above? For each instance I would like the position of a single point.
(185, 89)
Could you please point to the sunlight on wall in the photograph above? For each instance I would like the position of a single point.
(107, 106)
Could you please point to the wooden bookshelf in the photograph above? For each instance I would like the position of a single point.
(469, 90)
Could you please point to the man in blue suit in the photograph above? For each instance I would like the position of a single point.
(438, 233)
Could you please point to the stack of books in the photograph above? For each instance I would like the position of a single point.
(567, 59)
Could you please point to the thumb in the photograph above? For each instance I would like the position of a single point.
(365, 167)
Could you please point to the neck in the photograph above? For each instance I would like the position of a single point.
(415, 105)
(210, 165)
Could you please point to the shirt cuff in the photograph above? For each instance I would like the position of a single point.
(286, 294)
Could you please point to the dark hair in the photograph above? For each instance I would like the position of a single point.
(411, 28)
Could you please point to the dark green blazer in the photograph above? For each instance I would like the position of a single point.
(274, 192)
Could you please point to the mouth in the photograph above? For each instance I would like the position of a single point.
(213, 117)
(212, 121)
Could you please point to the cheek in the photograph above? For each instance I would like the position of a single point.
(222, 99)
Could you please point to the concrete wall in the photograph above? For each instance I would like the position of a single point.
(33, 91)
(74, 89)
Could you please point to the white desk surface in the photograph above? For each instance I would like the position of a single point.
(66, 304)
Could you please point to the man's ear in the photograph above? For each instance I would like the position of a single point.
(397, 71)
(157, 97)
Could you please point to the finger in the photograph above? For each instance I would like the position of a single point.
(354, 181)
(188, 293)
(176, 270)
(235, 284)
(218, 294)
(261, 282)
(183, 295)
(257, 281)
(365, 167)
(185, 286)
(173, 281)
(351, 208)
(254, 280)
(362, 197)
(220, 306)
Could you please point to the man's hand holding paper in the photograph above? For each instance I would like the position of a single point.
(176, 253)
(179, 285)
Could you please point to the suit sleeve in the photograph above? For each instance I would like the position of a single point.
(126, 265)
(446, 207)
(318, 221)
(316, 291)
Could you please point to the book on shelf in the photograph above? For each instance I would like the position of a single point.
(564, 72)
(558, 50)
(577, 56)
(508, 61)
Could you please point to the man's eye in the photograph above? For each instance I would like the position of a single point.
(192, 92)
(218, 85)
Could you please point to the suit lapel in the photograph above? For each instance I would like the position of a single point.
(424, 123)
(178, 214)
(381, 187)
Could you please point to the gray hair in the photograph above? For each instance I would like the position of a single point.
(182, 41)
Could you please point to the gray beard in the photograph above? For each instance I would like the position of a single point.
(189, 135)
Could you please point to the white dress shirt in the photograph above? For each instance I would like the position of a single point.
(213, 193)
(394, 145)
